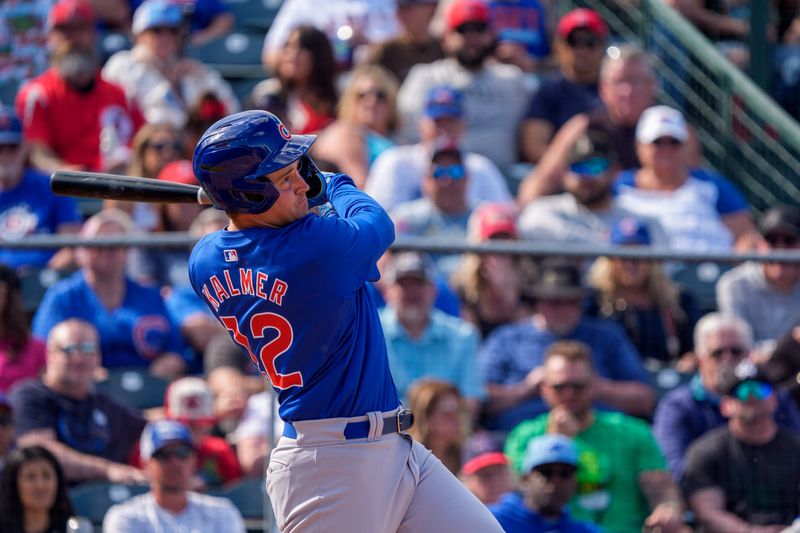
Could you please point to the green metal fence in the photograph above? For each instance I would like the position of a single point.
(745, 135)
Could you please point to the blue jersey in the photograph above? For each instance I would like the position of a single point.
(295, 298)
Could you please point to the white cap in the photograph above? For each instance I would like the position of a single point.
(189, 399)
(661, 121)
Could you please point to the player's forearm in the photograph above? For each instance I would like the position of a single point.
(353, 204)
(77, 466)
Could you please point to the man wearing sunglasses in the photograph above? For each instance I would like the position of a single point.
(548, 482)
(767, 295)
(722, 341)
(169, 457)
(745, 476)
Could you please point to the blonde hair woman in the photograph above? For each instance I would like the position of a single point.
(367, 116)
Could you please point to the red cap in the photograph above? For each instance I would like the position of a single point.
(582, 18)
(491, 219)
(70, 12)
(179, 172)
(482, 461)
(463, 11)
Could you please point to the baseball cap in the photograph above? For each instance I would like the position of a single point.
(661, 121)
(629, 231)
(480, 451)
(156, 14)
(180, 171)
(558, 279)
(189, 399)
(746, 376)
(582, 18)
(781, 219)
(161, 433)
(549, 449)
(492, 219)
(463, 11)
(70, 12)
(410, 264)
(444, 102)
(10, 126)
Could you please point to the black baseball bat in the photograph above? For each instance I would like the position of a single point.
(128, 188)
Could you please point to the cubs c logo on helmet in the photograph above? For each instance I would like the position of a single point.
(284, 132)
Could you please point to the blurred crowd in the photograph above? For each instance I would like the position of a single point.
(605, 394)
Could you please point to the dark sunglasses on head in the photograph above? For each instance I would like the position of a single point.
(379, 94)
(588, 41)
(554, 470)
(577, 386)
(593, 167)
(779, 239)
(161, 146)
(82, 348)
(472, 27)
(752, 389)
(667, 141)
(181, 452)
(454, 172)
(736, 351)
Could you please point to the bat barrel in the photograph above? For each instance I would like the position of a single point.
(127, 188)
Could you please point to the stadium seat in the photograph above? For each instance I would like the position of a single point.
(665, 379)
(34, 282)
(93, 499)
(254, 14)
(700, 279)
(249, 496)
(135, 387)
(237, 55)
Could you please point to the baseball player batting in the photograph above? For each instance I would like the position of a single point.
(289, 285)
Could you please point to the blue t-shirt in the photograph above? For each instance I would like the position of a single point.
(202, 13)
(512, 351)
(31, 208)
(521, 21)
(514, 517)
(295, 298)
(132, 335)
(559, 99)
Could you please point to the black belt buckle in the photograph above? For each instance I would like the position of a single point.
(405, 419)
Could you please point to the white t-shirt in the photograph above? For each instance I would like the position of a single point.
(203, 513)
(396, 176)
(260, 413)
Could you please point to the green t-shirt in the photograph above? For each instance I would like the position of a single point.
(612, 453)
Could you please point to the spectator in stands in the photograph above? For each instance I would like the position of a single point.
(444, 210)
(205, 112)
(698, 209)
(628, 86)
(413, 45)
(484, 468)
(439, 420)
(71, 97)
(622, 477)
(587, 209)
(6, 429)
(397, 174)
(21, 355)
(91, 434)
(513, 355)
(489, 285)
(549, 481)
(169, 455)
(207, 19)
(522, 34)
(637, 294)
(725, 23)
(365, 123)
(765, 294)
(27, 206)
(25, 45)
(189, 401)
(155, 75)
(135, 329)
(33, 493)
(581, 38)
(423, 341)
(469, 42)
(349, 24)
(259, 427)
(745, 476)
(302, 92)
(690, 411)
(154, 145)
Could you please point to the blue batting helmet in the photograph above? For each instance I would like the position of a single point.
(235, 154)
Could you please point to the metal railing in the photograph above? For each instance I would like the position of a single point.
(745, 135)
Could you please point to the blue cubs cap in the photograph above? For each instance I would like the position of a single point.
(443, 102)
(549, 449)
(630, 231)
(10, 127)
(161, 433)
(156, 14)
